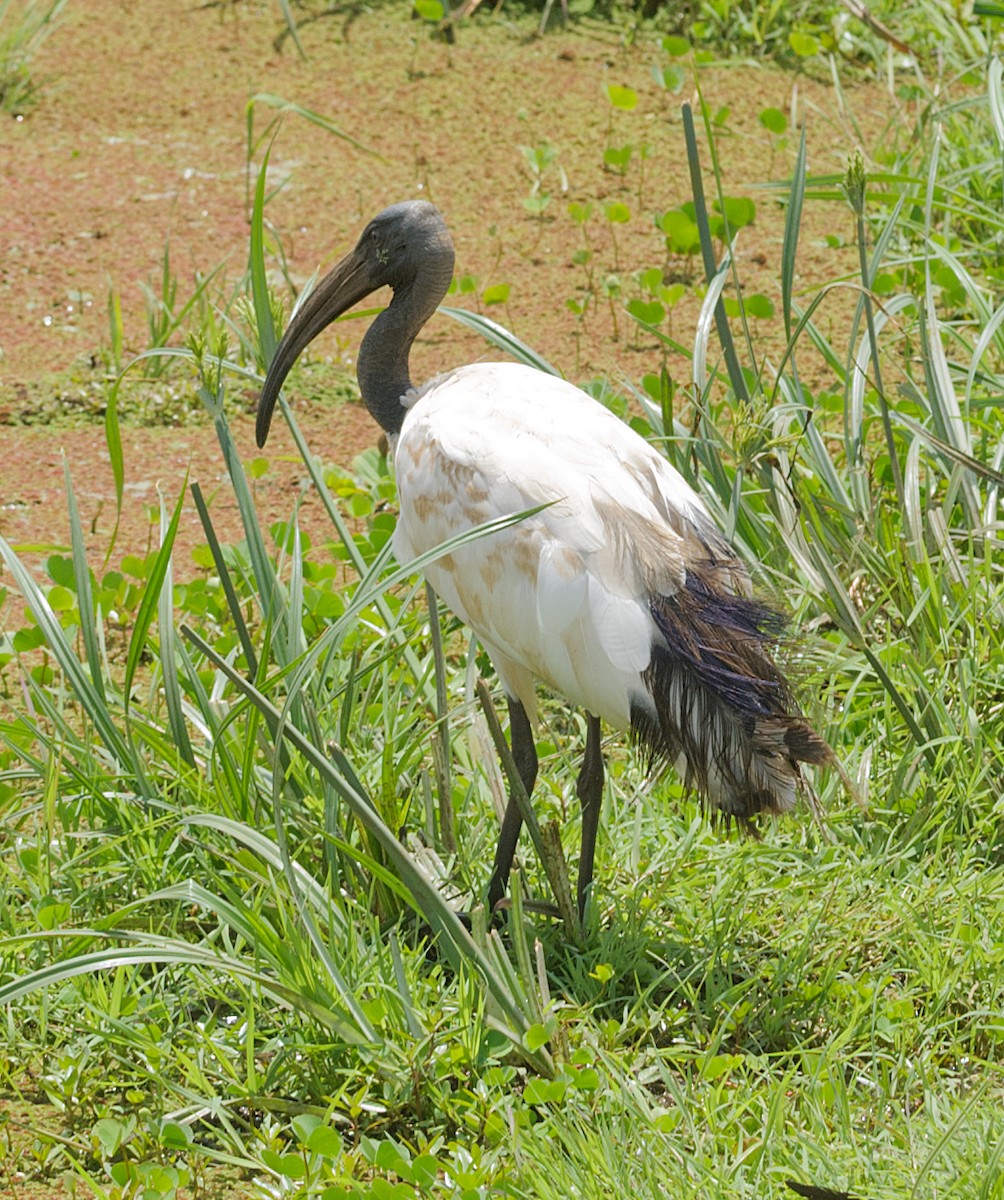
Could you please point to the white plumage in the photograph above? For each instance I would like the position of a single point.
(620, 594)
(563, 596)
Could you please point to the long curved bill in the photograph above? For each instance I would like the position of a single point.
(345, 285)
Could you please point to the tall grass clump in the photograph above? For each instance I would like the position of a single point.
(236, 827)
(24, 26)
(872, 504)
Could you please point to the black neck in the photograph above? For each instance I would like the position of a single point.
(382, 369)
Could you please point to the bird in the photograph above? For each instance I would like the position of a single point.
(619, 592)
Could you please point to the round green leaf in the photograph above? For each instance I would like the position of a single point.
(392, 1156)
(498, 293)
(672, 295)
(325, 1141)
(430, 10)
(719, 1065)
(53, 914)
(624, 98)
(426, 1169)
(671, 77)
(174, 1136)
(28, 639)
(545, 1091)
(537, 1035)
(681, 232)
(805, 45)
(617, 213)
(648, 313)
(774, 120)
(60, 570)
(61, 599)
(651, 278)
(110, 1134)
(383, 1189)
(618, 157)
(759, 306)
(739, 210)
(675, 46)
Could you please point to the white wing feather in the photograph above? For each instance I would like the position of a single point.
(562, 595)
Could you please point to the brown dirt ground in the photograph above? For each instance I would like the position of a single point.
(141, 134)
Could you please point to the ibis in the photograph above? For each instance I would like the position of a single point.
(620, 593)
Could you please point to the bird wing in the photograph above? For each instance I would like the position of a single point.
(563, 595)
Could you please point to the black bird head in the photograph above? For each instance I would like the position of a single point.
(406, 247)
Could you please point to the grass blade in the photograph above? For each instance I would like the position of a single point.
(454, 938)
(168, 659)
(113, 439)
(151, 598)
(79, 680)
(266, 849)
(702, 333)
(285, 106)
(708, 255)
(223, 572)
(501, 337)
(260, 294)
(85, 597)
(294, 33)
(792, 225)
(170, 952)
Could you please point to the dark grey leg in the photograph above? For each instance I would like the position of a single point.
(524, 753)
(590, 792)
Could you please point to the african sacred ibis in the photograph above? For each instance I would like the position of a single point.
(622, 595)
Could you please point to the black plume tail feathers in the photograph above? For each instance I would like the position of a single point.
(718, 706)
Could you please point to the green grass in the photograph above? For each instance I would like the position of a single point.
(235, 826)
(24, 26)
